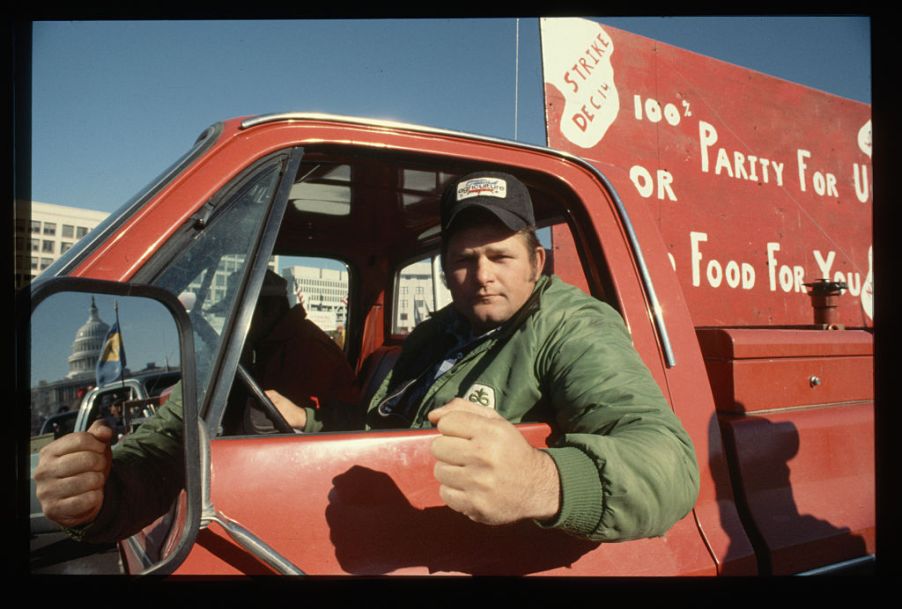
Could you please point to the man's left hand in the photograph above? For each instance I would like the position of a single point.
(487, 469)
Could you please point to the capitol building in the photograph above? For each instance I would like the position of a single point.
(87, 345)
(51, 397)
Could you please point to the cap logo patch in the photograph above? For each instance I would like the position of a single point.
(482, 187)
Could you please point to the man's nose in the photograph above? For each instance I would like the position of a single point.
(484, 271)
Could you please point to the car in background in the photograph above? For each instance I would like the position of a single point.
(59, 424)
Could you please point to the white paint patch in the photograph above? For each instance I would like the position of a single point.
(576, 55)
(865, 138)
(867, 290)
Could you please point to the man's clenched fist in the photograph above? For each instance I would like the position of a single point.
(487, 469)
(71, 474)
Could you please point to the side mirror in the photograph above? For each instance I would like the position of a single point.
(142, 337)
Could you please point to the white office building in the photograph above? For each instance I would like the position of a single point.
(420, 293)
(46, 232)
(324, 293)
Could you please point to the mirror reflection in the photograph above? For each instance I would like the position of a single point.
(102, 367)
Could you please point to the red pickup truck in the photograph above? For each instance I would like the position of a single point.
(787, 463)
(773, 385)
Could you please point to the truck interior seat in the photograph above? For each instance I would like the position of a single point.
(375, 369)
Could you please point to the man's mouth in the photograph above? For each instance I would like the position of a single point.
(486, 297)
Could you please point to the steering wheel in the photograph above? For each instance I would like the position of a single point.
(269, 409)
(211, 338)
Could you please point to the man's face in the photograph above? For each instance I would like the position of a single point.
(490, 274)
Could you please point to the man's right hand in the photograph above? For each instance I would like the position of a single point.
(71, 475)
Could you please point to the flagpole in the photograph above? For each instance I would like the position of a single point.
(121, 342)
(516, 78)
(125, 393)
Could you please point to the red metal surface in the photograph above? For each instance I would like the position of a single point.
(691, 398)
(808, 477)
(758, 185)
(567, 265)
(743, 343)
(379, 502)
(802, 451)
(753, 370)
(781, 383)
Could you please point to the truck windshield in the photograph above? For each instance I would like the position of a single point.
(86, 244)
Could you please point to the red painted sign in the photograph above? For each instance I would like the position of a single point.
(758, 185)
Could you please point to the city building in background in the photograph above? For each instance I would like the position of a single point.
(420, 293)
(219, 287)
(324, 294)
(87, 345)
(46, 233)
(52, 396)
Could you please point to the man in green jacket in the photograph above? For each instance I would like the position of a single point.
(516, 346)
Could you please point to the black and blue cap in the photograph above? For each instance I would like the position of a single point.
(501, 194)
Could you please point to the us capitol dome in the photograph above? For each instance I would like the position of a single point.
(87, 345)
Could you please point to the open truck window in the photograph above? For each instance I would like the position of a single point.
(359, 245)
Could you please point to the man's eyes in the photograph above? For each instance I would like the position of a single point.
(465, 259)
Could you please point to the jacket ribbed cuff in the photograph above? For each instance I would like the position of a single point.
(87, 532)
(582, 494)
(313, 424)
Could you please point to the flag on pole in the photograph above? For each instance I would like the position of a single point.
(111, 363)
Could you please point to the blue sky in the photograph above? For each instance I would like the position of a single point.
(115, 102)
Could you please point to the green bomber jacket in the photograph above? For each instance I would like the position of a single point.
(627, 466)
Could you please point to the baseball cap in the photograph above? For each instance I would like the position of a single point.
(499, 193)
